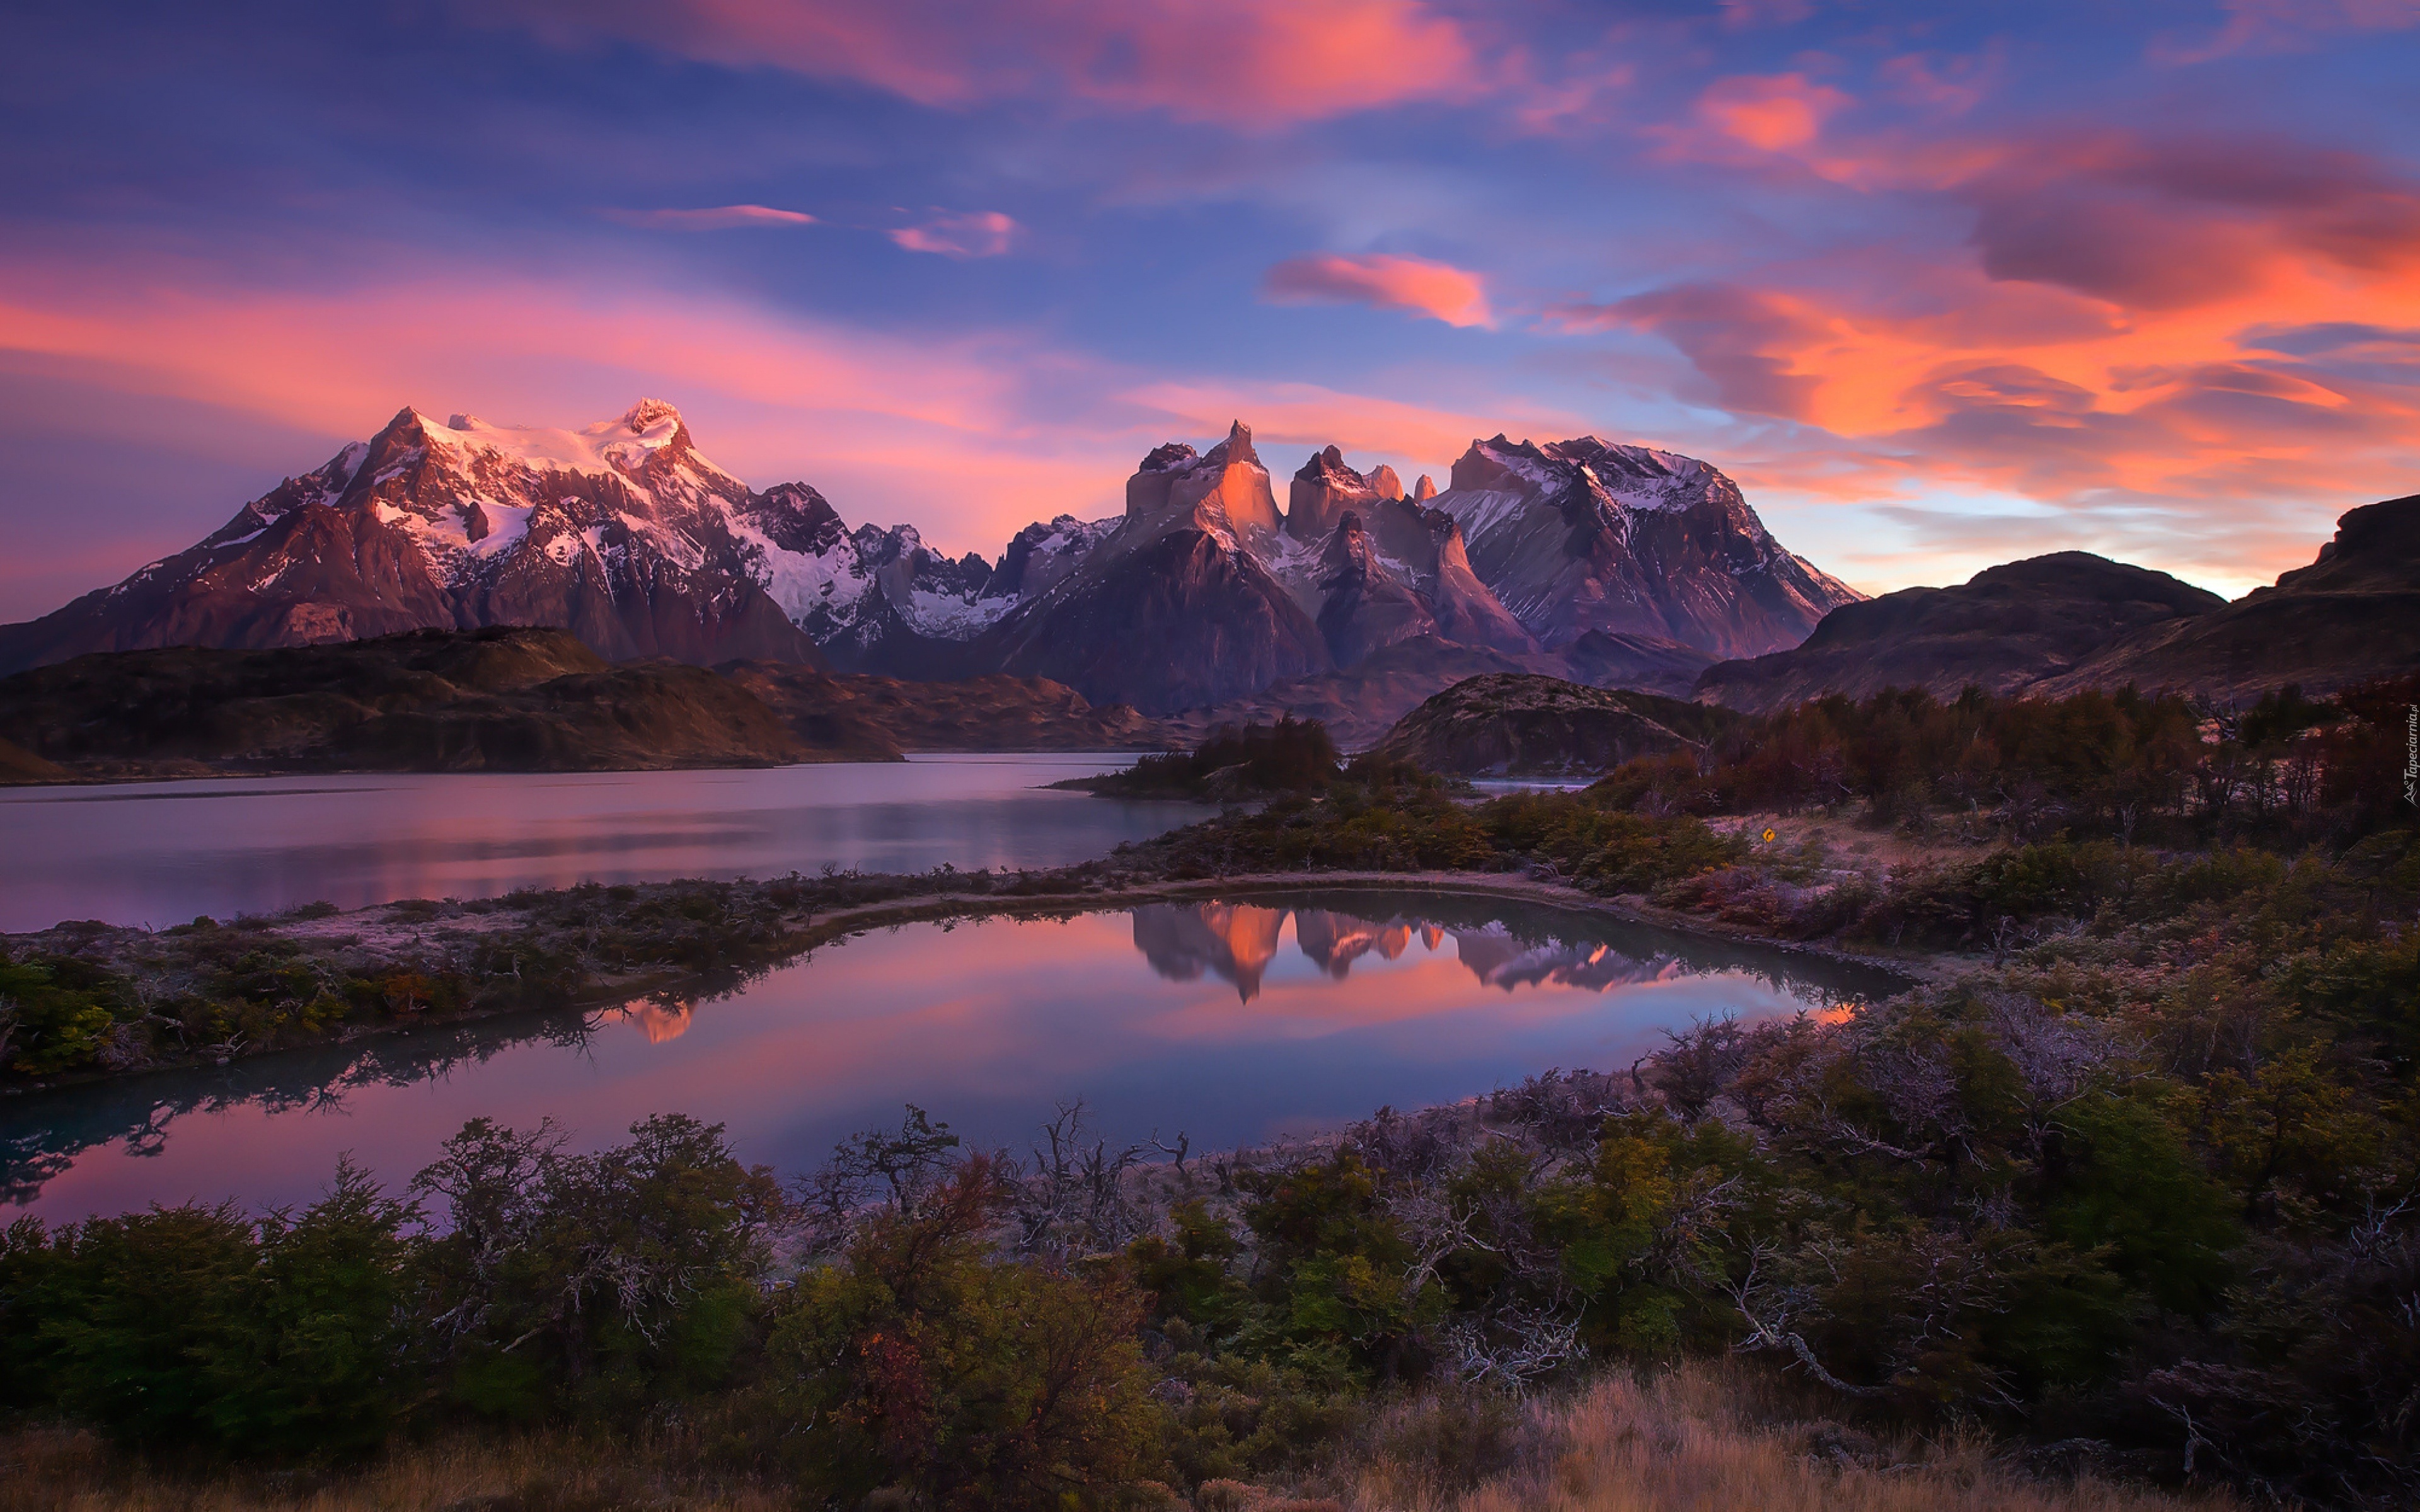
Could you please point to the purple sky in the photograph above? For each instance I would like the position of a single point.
(1941, 284)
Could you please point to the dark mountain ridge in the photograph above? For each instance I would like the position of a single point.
(2056, 625)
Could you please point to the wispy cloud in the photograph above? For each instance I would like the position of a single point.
(1438, 290)
(713, 218)
(1250, 65)
(980, 233)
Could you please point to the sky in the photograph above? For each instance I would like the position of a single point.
(1940, 285)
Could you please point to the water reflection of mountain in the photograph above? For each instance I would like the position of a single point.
(1503, 945)
(1506, 946)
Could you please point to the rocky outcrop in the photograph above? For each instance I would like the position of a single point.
(422, 701)
(1517, 724)
(1364, 607)
(2004, 630)
(1224, 488)
(1582, 535)
(2350, 616)
(1040, 555)
(1324, 491)
(1171, 613)
(1204, 594)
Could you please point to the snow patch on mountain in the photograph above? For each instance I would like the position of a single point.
(619, 447)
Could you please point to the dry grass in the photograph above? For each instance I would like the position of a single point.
(1701, 1438)
(1694, 1440)
(57, 1470)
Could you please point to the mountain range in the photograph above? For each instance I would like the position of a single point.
(1577, 557)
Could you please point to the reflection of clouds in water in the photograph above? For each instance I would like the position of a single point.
(1423, 1004)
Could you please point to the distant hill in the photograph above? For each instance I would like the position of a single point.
(1517, 724)
(994, 713)
(2055, 625)
(2003, 630)
(425, 701)
(2350, 616)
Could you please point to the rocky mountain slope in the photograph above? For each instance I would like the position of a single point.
(1582, 535)
(1177, 605)
(622, 533)
(422, 701)
(1518, 724)
(1229, 607)
(2003, 630)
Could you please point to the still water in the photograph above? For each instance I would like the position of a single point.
(161, 853)
(1228, 1021)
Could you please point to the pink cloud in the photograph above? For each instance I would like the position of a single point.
(718, 218)
(1742, 15)
(968, 436)
(1772, 114)
(1439, 290)
(1245, 64)
(1743, 340)
(1949, 86)
(981, 234)
(2285, 25)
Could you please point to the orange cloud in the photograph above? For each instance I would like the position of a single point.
(1438, 290)
(2098, 348)
(1247, 64)
(718, 218)
(1418, 438)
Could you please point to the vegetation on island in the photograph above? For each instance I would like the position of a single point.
(2134, 1191)
(1233, 762)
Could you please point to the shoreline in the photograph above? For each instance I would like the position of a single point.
(811, 930)
(204, 773)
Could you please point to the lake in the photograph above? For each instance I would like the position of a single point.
(1228, 1021)
(163, 852)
